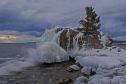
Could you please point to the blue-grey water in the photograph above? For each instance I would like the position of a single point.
(9, 51)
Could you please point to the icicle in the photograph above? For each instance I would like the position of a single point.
(51, 36)
(56, 37)
(75, 41)
(48, 36)
(68, 36)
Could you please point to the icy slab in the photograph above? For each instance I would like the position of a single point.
(102, 62)
(13, 66)
(104, 58)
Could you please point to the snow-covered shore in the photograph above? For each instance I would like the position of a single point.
(109, 65)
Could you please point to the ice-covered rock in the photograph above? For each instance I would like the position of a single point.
(86, 70)
(75, 67)
(81, 80)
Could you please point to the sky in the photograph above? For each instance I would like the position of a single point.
(33, 17)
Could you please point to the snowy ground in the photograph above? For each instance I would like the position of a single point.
(109, 64)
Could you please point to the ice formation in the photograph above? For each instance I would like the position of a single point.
(75, 41)
(51, 52)
(109, 62)
(48, 49)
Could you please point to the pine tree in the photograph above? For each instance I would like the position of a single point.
(92, 20)
(91, 24)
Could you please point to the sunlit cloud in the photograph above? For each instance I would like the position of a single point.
(17, 37)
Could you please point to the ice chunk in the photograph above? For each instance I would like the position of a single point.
(13, 65)
(75, 67)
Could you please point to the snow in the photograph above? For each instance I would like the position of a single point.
(97, 61)
(104, 58)
(108, 63)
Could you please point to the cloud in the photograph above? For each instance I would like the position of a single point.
(21, 37)
(48, 13)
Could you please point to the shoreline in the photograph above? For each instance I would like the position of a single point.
(42, 74)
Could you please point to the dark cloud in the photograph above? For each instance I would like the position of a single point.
(35, 16)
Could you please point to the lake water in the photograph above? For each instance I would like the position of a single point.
(14, 57)
(9, 51)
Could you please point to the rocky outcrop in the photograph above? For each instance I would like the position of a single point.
(78, 38)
